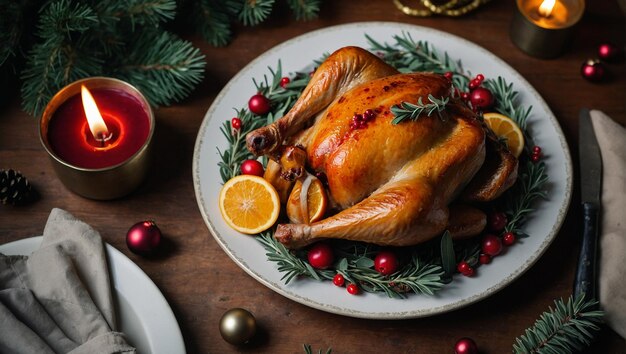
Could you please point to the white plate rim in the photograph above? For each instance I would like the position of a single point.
(158, 322)
(369, 27)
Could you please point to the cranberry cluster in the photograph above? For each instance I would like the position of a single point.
(359, 121)
(536, 155)
(479, 97)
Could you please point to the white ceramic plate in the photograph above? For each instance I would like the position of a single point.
(298, 53)
(143, 313)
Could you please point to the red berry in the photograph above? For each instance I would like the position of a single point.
(465, 346)
(352, 288)
(480, 78)
(463, 267)
(491, 245)
(470, 272)
(484, 258)
(259, 104)
(473, 84)
(321, 255)
(252, 167)
(497, 221)
(465, 96)
(448, 75)
(536, 150)
(284, 81)
(508, 239)
(338, 279)
(535, 157)
(386, 263)
(481, 98)
(236, 123)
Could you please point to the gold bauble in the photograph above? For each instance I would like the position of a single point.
(237, 326)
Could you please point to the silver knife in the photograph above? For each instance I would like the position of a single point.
(590, 188)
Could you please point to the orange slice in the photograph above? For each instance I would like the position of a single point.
(316, 202)
(249, 204)
(506, 128)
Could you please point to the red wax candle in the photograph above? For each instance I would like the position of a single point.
(127, 120)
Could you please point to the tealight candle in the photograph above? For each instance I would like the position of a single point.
(542, 28)
(97, 132)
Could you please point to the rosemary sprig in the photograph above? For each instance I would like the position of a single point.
(412, 111)
(519, 199)
(567, 328)
(309, 350)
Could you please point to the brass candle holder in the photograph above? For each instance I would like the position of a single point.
(108, 182)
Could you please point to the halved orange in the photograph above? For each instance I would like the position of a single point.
(506, 128)
(249, 204)
(316, 202)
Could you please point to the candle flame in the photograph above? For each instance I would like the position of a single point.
(546, 7)
(94, 118)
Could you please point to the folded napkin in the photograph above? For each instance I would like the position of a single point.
(612, 273)
(58, 299)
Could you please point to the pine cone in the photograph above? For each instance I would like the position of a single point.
(14, 188)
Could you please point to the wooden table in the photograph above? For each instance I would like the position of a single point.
(201, 282)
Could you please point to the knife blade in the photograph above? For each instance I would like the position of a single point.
(590, 189)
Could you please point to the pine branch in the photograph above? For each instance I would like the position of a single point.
(304, 9)
(519, 199)
(412, 111)
(164, 67)
(213, 21)
(567, 328)
(309, 350)
(253, 12)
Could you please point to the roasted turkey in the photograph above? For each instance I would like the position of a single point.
(390, 184)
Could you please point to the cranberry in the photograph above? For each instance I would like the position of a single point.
(463, 267)
(386, 263)
(284, 81)
(536, 150)
(252, 167)
(484, 258)
(321, 255)
(338, 279)
(352, 288)
(508, 238)
(235, 123)
(480, 78)
(497, 221)
(448, 75)
(491, 245)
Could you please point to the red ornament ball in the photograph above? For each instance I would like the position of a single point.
(481, 98)
(465, 346)
(497, 221)
(235, 123)
(284, 81)
(252, 167)
(259, 104)
(608, 52)
(353, 289)
(386, 263)
(593, 70)
(492, 245)
(143, 238)
(339, 280)
(321, 255)
(508, 238)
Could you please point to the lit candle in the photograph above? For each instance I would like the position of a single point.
(542, 28)
(97, 132)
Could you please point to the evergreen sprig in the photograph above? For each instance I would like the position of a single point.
(411, 111)
(309, 350)
(519, 199)
(567, 328)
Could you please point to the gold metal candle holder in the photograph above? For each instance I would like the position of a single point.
(545, 36)
(103, 183)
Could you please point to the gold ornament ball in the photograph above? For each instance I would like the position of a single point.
(237, 326)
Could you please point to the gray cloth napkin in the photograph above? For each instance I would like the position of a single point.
(612, 273)
(58, 299)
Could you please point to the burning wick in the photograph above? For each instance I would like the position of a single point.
(97, 125)
(546, 7)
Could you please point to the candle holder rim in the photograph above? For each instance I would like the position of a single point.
(572, 23)
(139, 152)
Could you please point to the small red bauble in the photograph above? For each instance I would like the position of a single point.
(448, 75)
(484, 258)
(497, 221)
(284, 81)
(321, 255)
(143, 238)
(465, 346)
(536, 150)
(492, 245)
(465, 96)
(508, 238)
(252, 167)
(464, 268)
(352, 288)
(593, 70)
(386, 263)
(481, 98)
(608, 52)
(339, 280)
(235, 123)
(259, 104)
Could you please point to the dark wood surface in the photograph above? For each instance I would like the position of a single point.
(201, 282)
